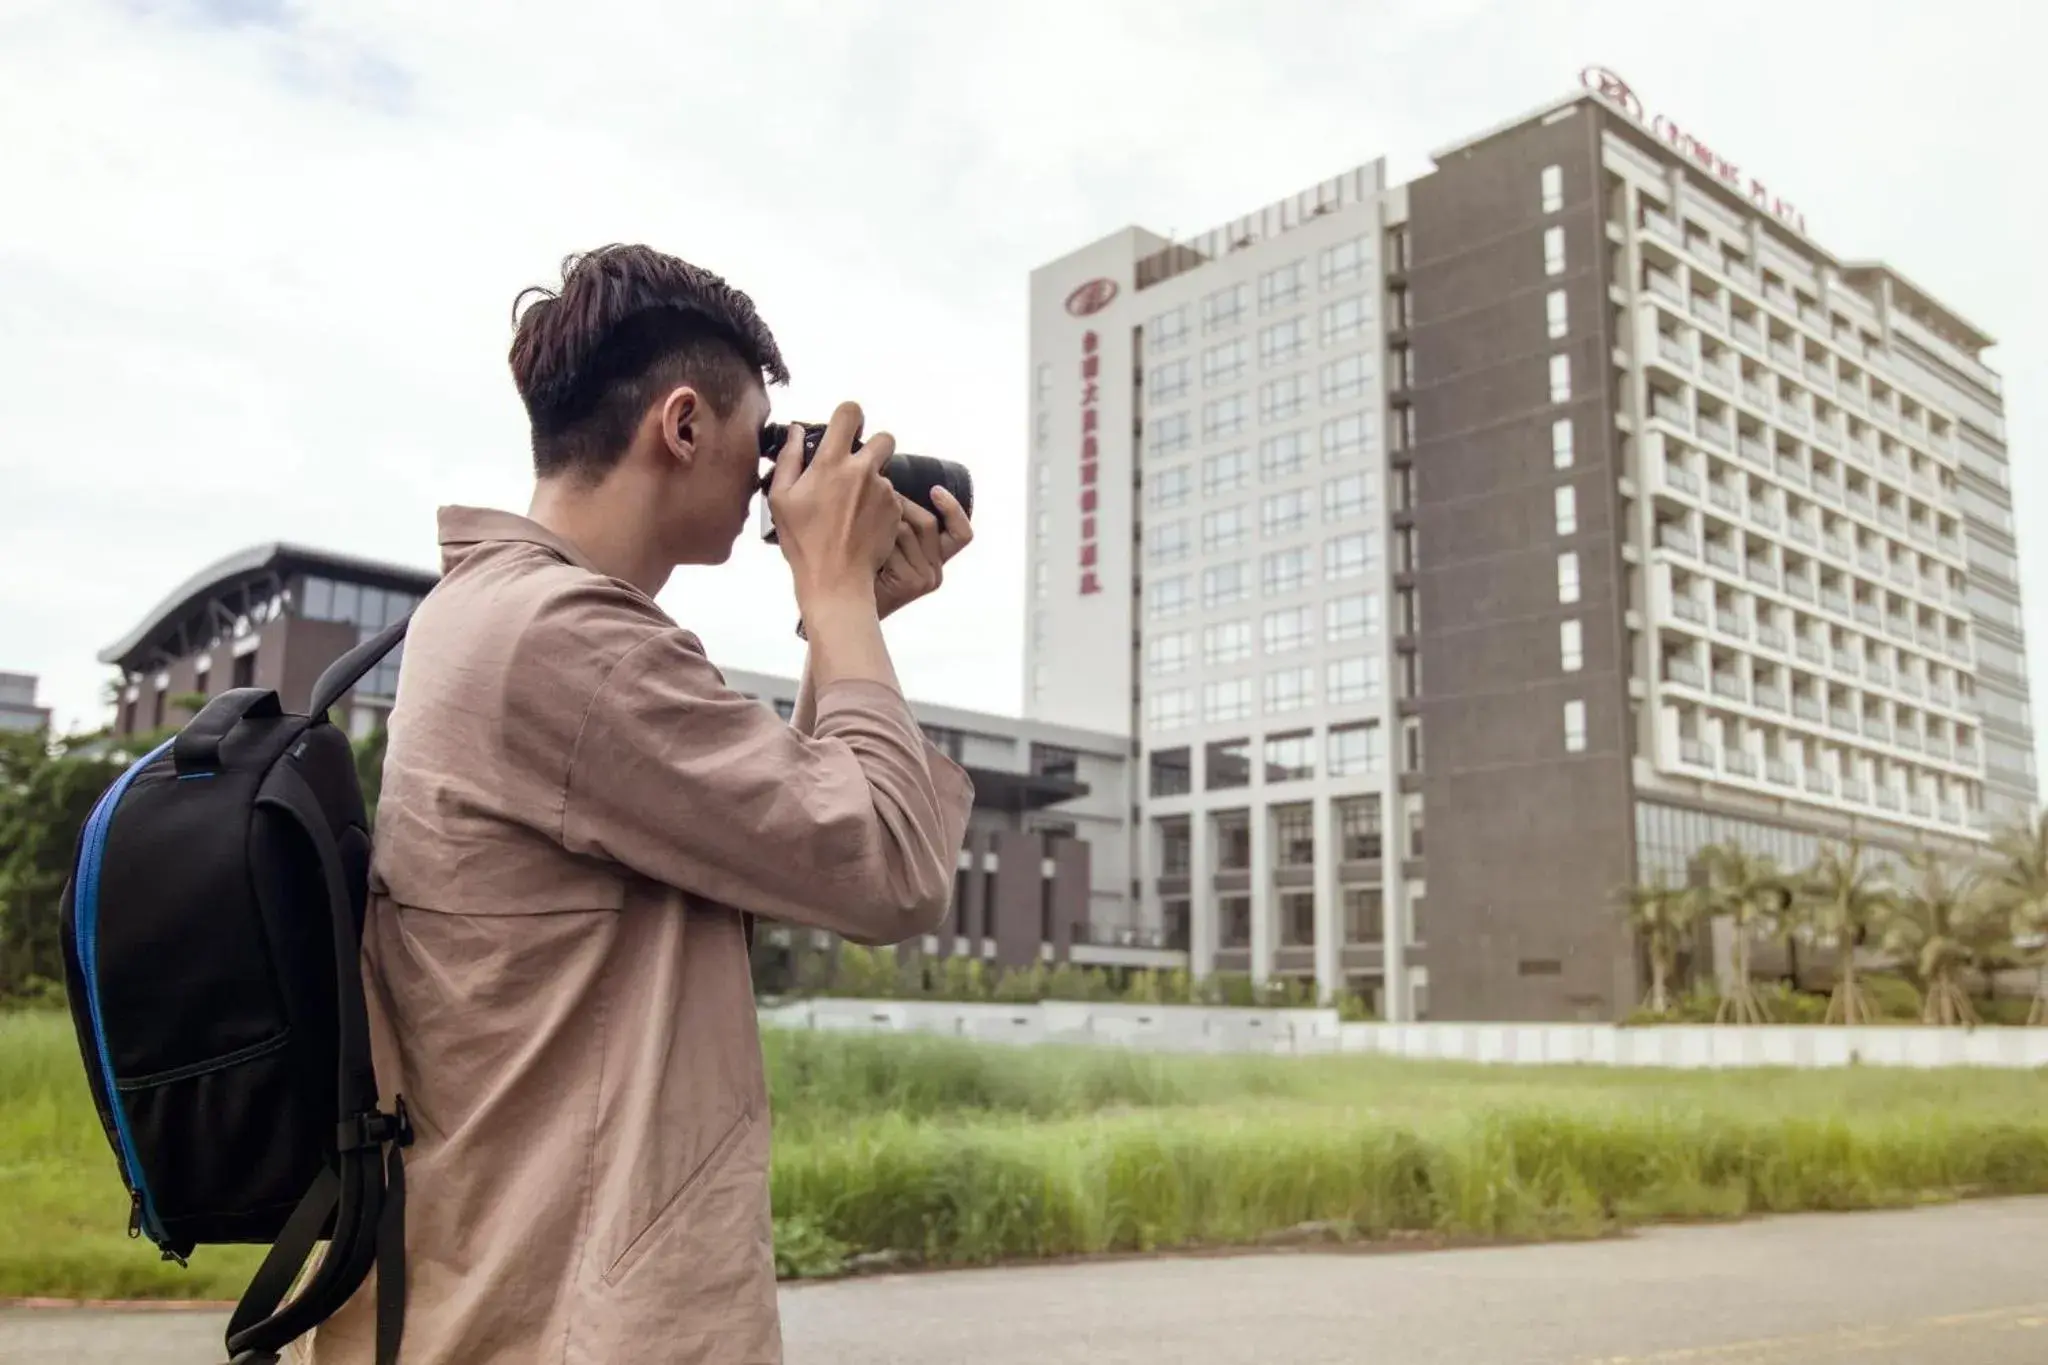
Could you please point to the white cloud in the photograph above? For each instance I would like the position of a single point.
(260, 255)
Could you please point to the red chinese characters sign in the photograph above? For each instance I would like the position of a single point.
(1091, 390)
(1616, 91)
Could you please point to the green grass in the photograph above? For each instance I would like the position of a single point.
(952, 1154)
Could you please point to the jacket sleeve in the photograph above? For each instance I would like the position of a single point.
(855, 828)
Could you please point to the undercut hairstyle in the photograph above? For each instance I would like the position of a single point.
(628, 324)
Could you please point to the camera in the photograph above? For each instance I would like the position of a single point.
(913, 476)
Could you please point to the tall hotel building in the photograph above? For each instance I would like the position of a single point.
(1455, 553)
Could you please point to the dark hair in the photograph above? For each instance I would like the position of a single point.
(628, 323)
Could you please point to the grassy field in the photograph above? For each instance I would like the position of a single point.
(950, 1154)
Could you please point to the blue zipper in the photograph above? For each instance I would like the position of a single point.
(87, 932)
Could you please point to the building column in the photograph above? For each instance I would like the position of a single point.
(1329, 904)
(1201, 892)
(1262, 888)
(1395, 1006)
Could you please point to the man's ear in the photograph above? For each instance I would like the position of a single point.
(682, 414)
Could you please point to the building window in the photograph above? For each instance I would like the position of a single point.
(1225, 307)
(1287, 630)
(1225, 472)
(1556, 314)
(1225, 363)
(1346, 319)
(1364, 914)
(1351, 617)
(1167, 654)
(1397, 249)
(1347, 378)
(1224, 416)
(1169, 708)
(1568, 577)
(1344, 261)
(1283, 456)
(1225, 528)
(1349, 556)
(1561, 443)
(1294, 841)
(1284, 571)
(1358, 828)
(1289, 689)
(1560, 379)
(1167, 329)
(1281, 400)
(1176, 847)
(1283, 342)
(1553, 251)
(1297, 916)
(1226, 699)
(1169, 488)
(1553, 188)
(1347, 682)
(1571, 645)
(1169, 543)
(1574, 727)
(1567, 500)
(1169, 434)
(1407, 615)
(1172, 772)
(1227, 765)
(1355, 749)
(1223, 584)
(1413, 803)
(1168, 381)
(1226, 642)
(1283, 285)
(1346, 438)
(1291, 758)
(1166, 597)
(1347, 496)
(1283, 514)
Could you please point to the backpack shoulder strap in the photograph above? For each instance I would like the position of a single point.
(348, 670)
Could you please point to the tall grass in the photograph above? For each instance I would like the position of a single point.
(953, 1154)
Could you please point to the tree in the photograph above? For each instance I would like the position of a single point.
(1932, 927)
(1847, 901)
(1750, 891)
(1661, 915)
(47, 789)
(2018, 882)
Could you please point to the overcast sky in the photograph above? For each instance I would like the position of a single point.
(257, 257)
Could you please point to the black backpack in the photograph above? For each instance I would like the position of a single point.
(212, 932)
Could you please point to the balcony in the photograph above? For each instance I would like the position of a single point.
(1748, 333)
(1820, 376)
(1674, 537)
(1721, 376)
(1931, 638)
(1843, 719)
(1785, 356)
(1770, 698)
(1781, 772)
(1850, 664)
(1877, 729)
(1911, 685)
(1834, 601)
(1942, 696)
(1790, 468)
(1793, 416)
(1966, 752)
(1891, 516)
(1740, 762)
(1841, 549)
(1731, 687)
(1855, 789)
(1828, 434)
(1721, 495)
(1674, 351)
(1873, 562)
(1937, 747)
(1859, 503)
(1706, 310)
(1869, 614)
(1801, 532)
(1728, 623)
(1922, 806)
(1830, 489)
(1879, 674)
(1959, 650)
(1887, 798)
(1770, 637)
(1695, 754)
(1763, 514)
(1899, 628)
(1819, 782)
(1852, 397)
(1755, 451)
(1951, 814)
(1671, 411)
(1717, 434)
(1806, 708)
(1903, 575)
(1722, 556)
(1662, 285)
(1908, 739)
(1681, 478)
(1686, 607)
(1951, 546)
(1684, 671)
(1811, 651)
(1761, 572)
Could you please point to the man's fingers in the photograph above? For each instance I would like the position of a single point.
(875, 451)
(843, 429)
(789, 462)
(959, 530)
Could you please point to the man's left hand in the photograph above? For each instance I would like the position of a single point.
(923, 545)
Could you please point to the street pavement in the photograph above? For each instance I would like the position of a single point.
(1955, 1285)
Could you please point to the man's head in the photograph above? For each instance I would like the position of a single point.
(646, 375)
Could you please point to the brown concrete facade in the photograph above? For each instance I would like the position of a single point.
(1539, 839)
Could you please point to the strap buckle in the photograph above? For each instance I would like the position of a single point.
(374, 1128)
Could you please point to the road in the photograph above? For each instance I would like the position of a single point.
(1927, 1287)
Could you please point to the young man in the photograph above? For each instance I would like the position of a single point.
(578, 821)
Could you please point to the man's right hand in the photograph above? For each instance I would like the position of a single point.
(836, 521)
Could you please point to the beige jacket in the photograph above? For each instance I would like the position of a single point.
(576, 816)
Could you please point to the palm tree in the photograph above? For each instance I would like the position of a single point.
(2018, 881)
(1749, 889)
(1847, 901)
(1931, 927)
(1662, 915)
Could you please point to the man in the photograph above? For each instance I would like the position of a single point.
(578, 821)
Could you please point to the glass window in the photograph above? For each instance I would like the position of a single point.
(1346, 319)
(1364, 914)
(1168, 543)
(1282, 400)
(1561, 443)
(1553, 251)
(1169, 381)
(1284, 342)
(1226, 642)
(1553, 188)
(1168, 329)
(348, 602)
(1284, 455)
(1567, 500)
(1169, 708)
(1223, 584)
(1226, 306)
(1284, 571)
(1347, 496)
(1169, 488)
(1225, 362)
(1288, 629)
(1289, 758)
(1342, 262)
(1225, 416)
(1568, 576)
(1176, 848)
(1574, 726)
(316, 599)
(1560, 378)
(1355, 749)
(1347, 378)
(1358, 828)
(1555, 314)
(1226, 699)
(1571, 645)
(1166, 597)
(1289, 689)
(1226, 766)
(1346, 438)
(1172, 775)
(1283, 285)
(1225, 528)
(1349, 556)
(1347, 682)
(1226, 472)
(1169, 434)
(1351, 616)
(1169, 653)
(1283, 513)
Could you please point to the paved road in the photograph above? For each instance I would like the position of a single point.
(1943, 1286)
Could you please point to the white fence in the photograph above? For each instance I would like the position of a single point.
(1184, 1028)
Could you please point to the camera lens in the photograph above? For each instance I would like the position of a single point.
(914, 476)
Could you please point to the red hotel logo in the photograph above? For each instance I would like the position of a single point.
(1091, 297)
(1615, 90)
(1091, 375)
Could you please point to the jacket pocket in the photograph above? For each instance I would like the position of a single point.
(677, 1205)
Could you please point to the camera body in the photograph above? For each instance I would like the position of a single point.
(913, 476)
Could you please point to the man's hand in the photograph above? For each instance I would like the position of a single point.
(837, 521)
(917, 564)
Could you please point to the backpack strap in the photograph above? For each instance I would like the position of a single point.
(197, 747)
(365, 1189)
(348, 670)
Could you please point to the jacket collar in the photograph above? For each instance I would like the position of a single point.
(464, 528)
